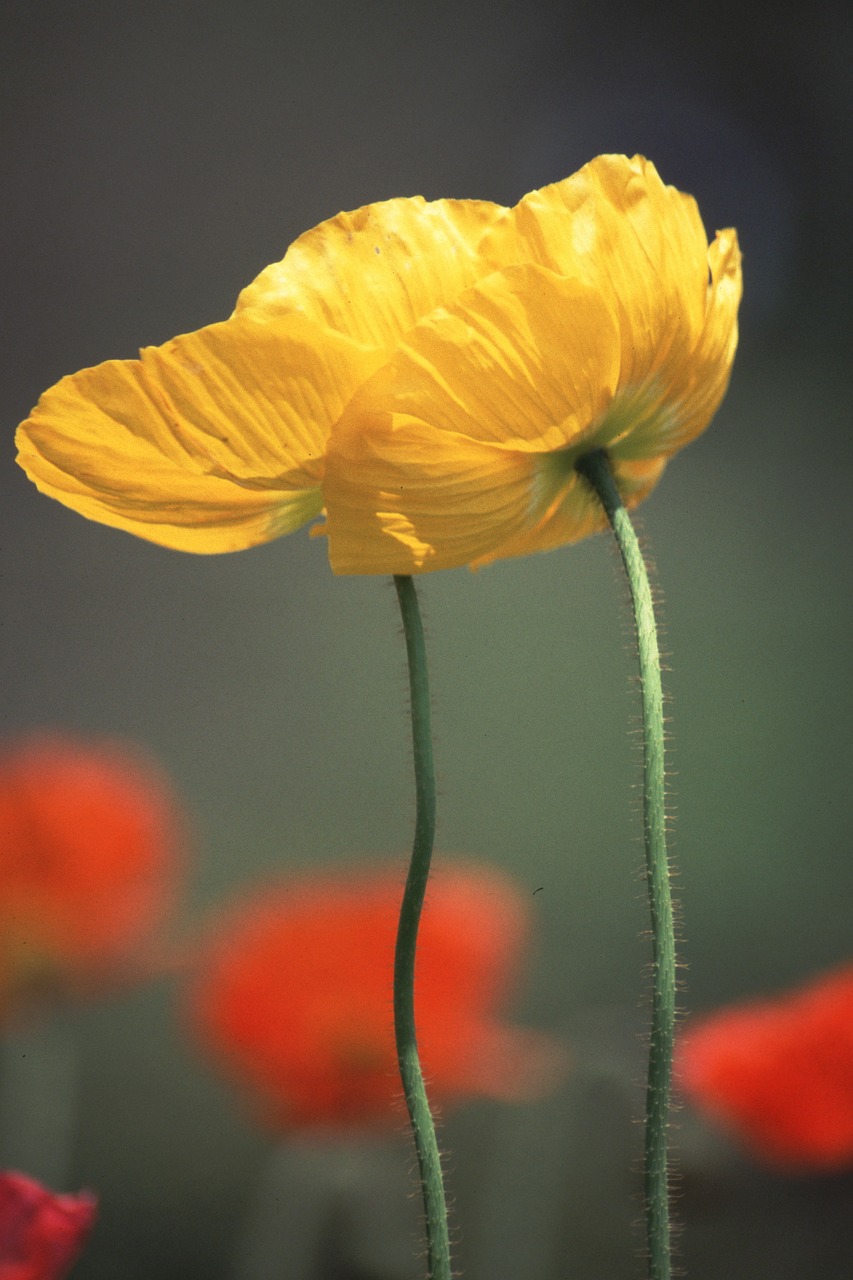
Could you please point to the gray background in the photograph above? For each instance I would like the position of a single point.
(156, 158)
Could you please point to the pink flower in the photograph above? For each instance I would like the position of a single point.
(40, 1233)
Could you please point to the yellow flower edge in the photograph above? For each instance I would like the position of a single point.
(425, 373)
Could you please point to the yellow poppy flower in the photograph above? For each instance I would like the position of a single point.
(426, 373)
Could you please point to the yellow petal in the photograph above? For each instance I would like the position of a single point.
(575, 511)
(710, 363)
(456, 498)
(456, 359)
(525, 359)
(616, 226)
(642, 245)
(434, 463)
(671, 402)
(373, 273)
(534, 365)
(213, 442)
(676, 398)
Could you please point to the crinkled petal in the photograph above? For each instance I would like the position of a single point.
(575, 511)
(456, 357)
(373, 273)
(642, 244)
(708, 368)
(525, 359)
(617, 226)
(674, 400)
(447, 504)
(213, 442)
(434, 463)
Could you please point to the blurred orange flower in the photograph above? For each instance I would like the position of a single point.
(294, 996)
(40, 1233)
(778, 1074)
(91, 838)
(426, 373)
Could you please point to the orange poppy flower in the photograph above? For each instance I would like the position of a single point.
(91, 838)
(426, 373)
(40, 1233)
(294, 996)
(778, 1074)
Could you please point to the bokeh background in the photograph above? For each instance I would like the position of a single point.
(156, 158)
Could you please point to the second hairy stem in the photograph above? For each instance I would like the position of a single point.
(423, 1128)
(595, 468)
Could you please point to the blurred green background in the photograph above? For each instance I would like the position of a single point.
(156, 158)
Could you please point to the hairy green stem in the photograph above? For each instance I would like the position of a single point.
(423, 1128)
(595, 468)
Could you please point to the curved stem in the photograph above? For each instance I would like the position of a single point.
(595, 468)
(423, 1128)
